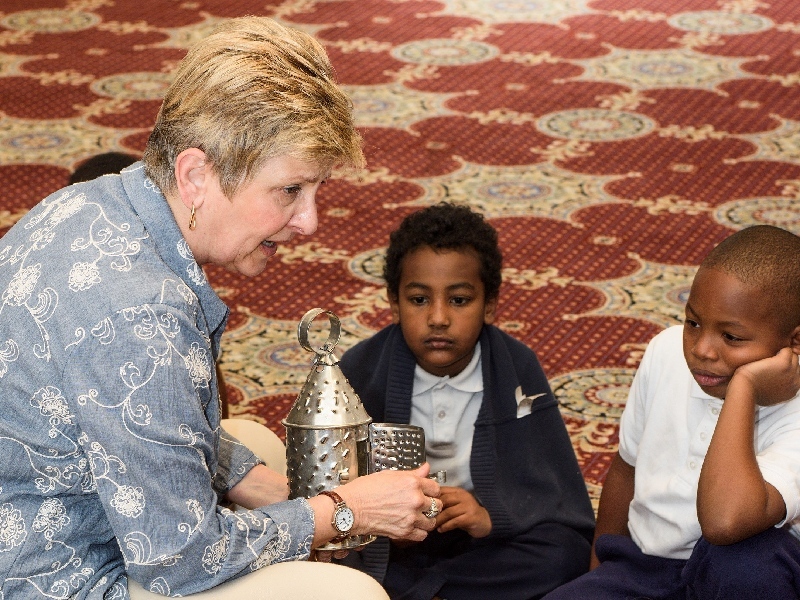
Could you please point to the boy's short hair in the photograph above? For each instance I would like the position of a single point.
(250, 91)
(101, 164)
(445, 226)
(767, 258)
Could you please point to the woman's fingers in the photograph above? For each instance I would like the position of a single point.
(392, 503)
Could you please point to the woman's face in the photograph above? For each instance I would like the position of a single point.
(243, 232)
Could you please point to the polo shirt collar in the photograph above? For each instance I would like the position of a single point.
(469, 380)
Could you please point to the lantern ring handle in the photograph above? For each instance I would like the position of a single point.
(333, 337)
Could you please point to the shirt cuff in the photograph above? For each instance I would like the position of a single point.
(235, 461)
(787, 487)
(300, 515)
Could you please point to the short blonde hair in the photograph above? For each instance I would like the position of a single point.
(250, 91)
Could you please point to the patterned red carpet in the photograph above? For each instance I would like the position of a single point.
(612, 143)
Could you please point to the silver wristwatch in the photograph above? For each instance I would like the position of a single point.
(343, 518)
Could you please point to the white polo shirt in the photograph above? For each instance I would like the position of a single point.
(446, 408)
(665, 431)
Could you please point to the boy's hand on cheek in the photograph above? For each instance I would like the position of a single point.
(772, 380)
(462, 511)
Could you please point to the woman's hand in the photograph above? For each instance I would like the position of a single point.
(392, 503)
(388, 503)
(462, 511)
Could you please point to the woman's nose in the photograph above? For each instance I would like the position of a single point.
(306, 220)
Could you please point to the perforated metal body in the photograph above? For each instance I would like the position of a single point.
(395, 446)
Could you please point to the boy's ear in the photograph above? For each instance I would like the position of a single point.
(796, 340)
(394, 304)
(489, 311)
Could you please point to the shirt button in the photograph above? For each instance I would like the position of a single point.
(703, 436)
(715, 411)
(442, 414)
(692, 465)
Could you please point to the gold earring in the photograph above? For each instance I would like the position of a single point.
(192, 220)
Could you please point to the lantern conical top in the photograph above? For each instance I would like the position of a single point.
(327, 399)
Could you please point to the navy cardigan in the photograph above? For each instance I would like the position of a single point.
(524, 470)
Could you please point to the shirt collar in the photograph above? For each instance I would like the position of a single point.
(697, 393)
(159, 221)
(469, 380)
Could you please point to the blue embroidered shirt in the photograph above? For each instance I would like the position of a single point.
(113, 458)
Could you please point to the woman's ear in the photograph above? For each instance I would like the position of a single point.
(191, 176)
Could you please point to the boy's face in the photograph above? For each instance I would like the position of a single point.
(441, 308)
(729, 324)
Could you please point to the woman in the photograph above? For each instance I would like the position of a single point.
(114, 463)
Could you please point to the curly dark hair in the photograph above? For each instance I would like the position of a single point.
(445, 226)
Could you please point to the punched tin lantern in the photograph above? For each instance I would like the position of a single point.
(327, 428)
(330, 438)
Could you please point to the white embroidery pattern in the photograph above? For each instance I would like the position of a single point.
(199, 366)
(104, 236)
(12, 527)
(159, 585)
(196, 509)
(64, 589)
(215, 555)
(277, 547)
(9, 352)
(141, 548)
(193, 270)
(22, 285)
(53, 405)
(83, 275)
(128, 501)
(108, 240)
(51, 518)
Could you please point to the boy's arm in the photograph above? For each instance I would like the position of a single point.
(615, 499)
(734, 501)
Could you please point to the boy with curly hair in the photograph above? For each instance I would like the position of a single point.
(517, 520)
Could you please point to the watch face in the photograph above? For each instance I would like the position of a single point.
(343, 520)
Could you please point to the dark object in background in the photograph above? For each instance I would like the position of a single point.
(101, 164)
(113, 162)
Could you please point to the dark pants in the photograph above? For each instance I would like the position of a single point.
(453, 566)
(763, 567)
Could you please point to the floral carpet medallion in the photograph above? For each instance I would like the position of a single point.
(542, 190)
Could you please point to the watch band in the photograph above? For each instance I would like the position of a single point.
(338, 503)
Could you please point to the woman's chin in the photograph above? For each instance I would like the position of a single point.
(249, 267)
